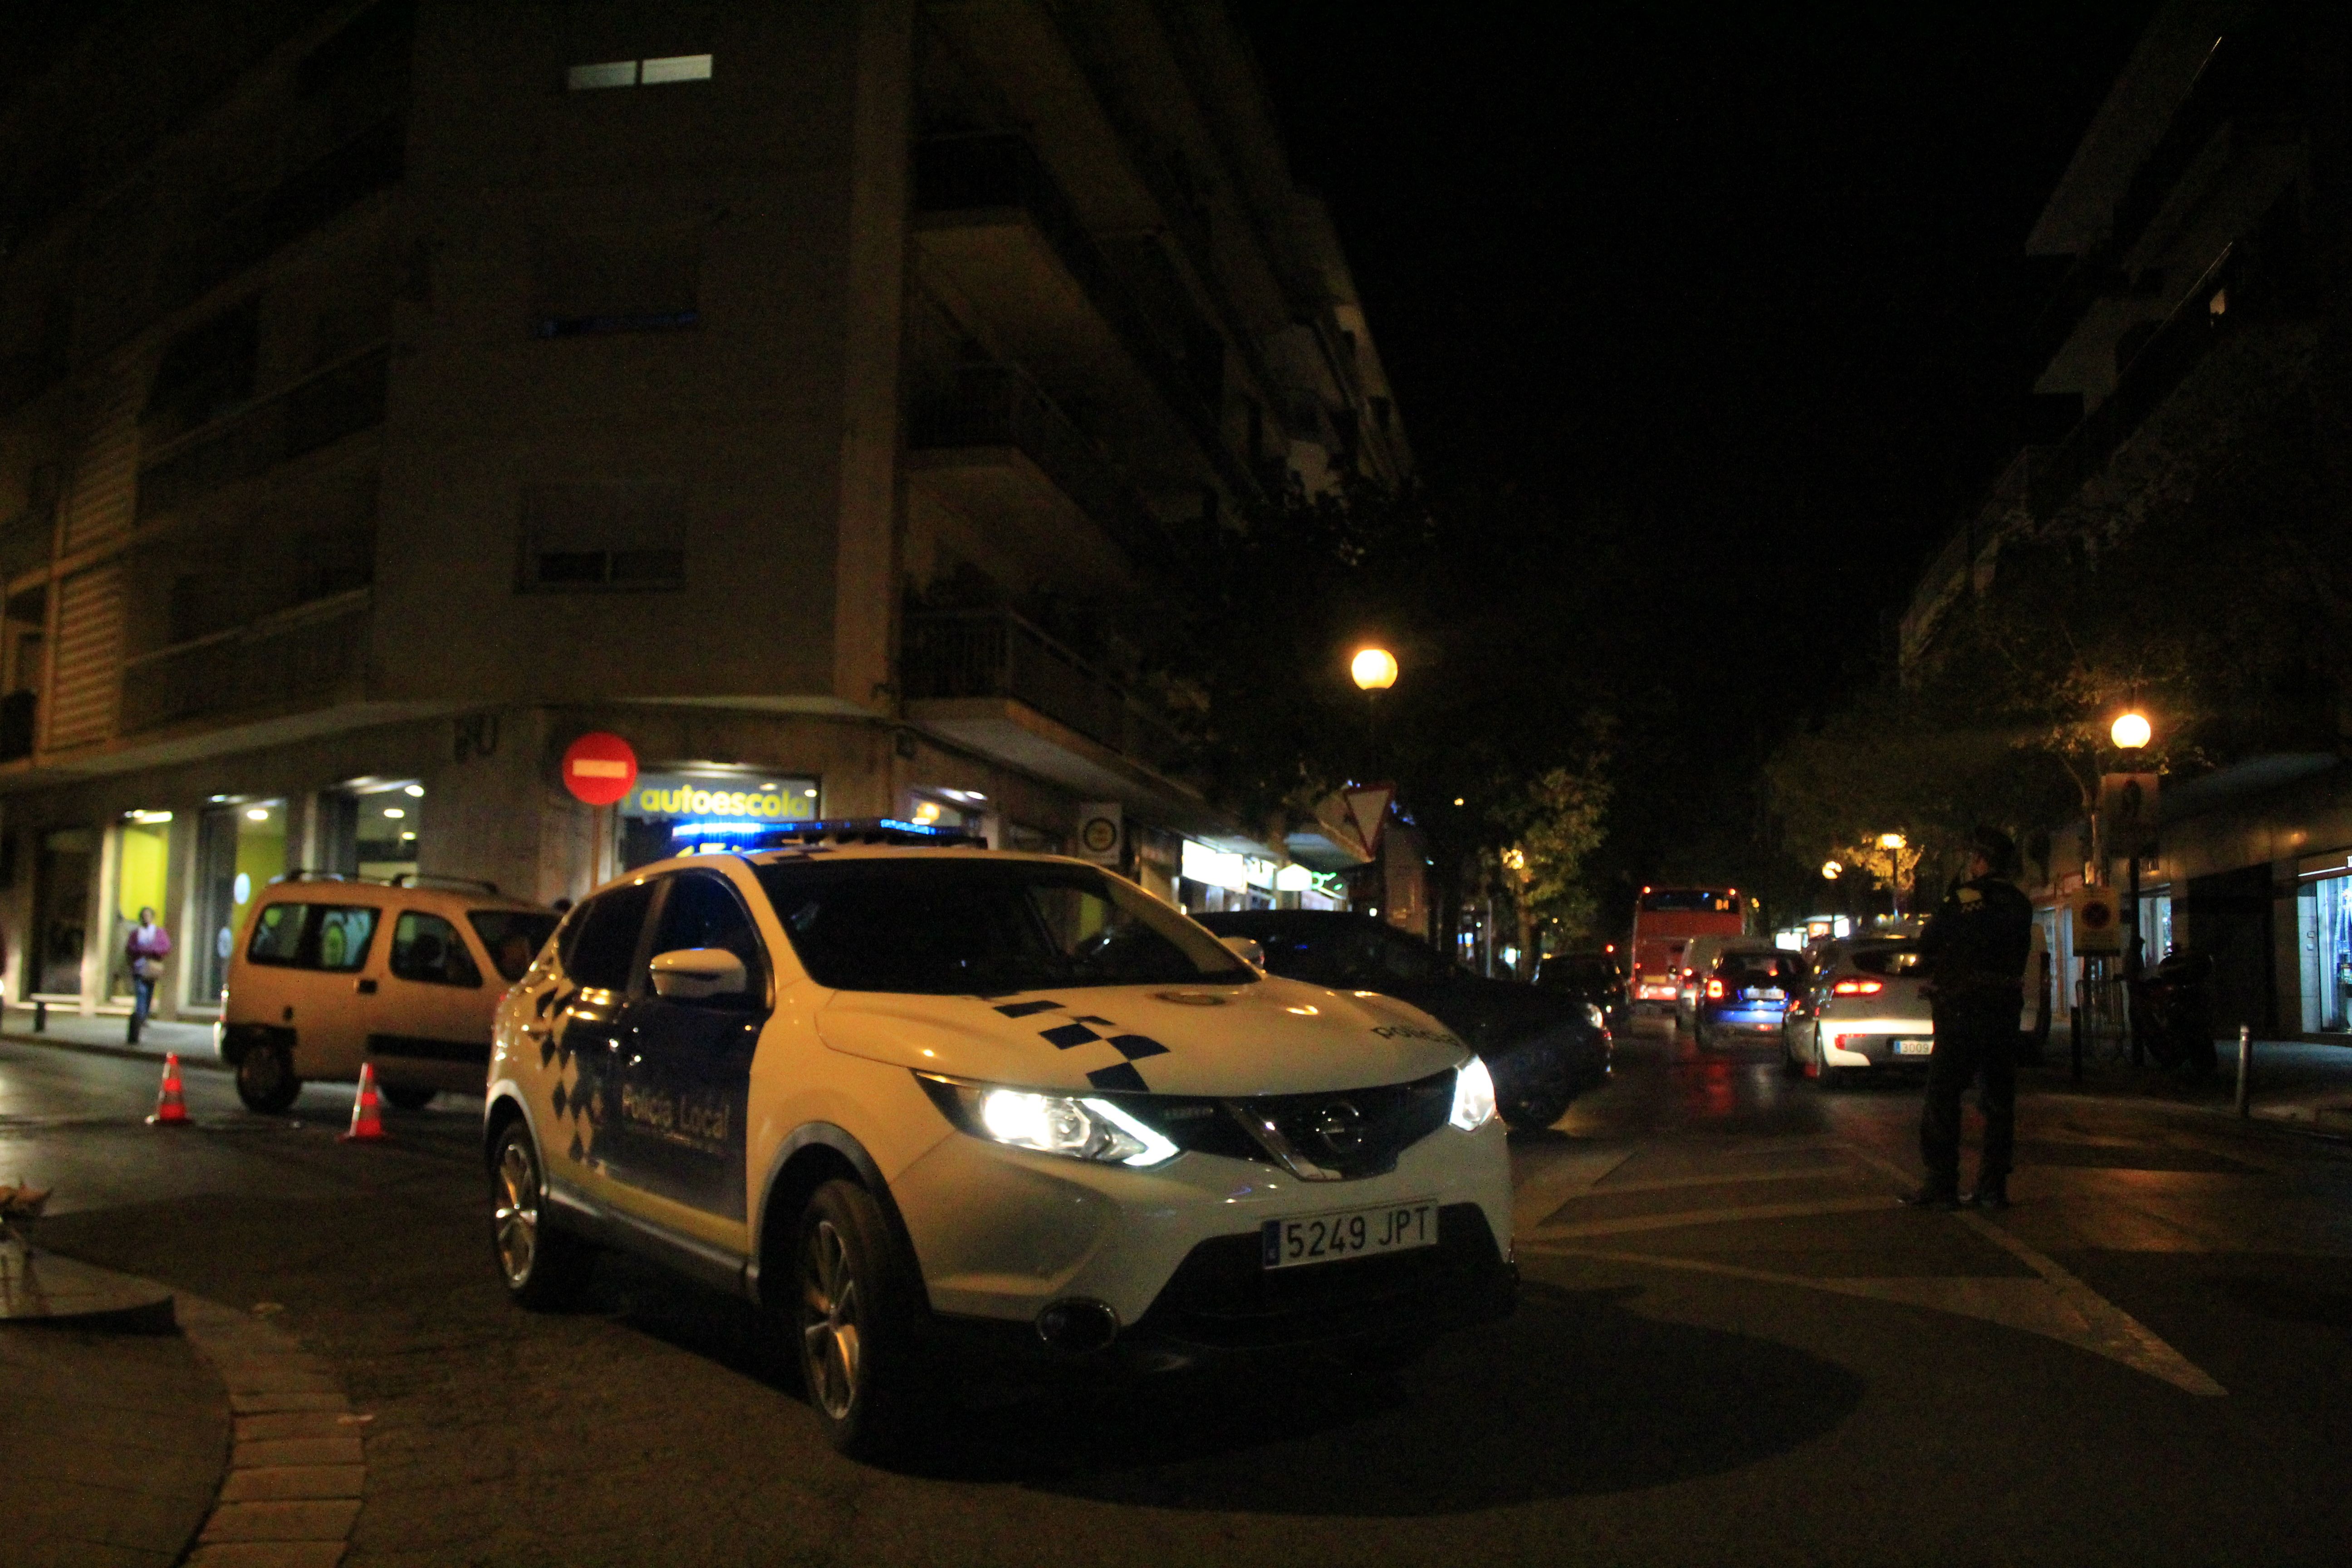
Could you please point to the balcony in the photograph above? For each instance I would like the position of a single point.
(991, 219)
(989, 680)
(996, 449)
(312, 656)
(315, 413)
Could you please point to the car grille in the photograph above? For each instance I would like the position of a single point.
(1343, 1133)
(1223, 1295)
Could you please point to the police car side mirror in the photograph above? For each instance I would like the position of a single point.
(697, 974)
(1246, 949)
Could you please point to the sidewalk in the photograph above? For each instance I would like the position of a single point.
(2295, 1082)
(117, 1434)
(193, 1042)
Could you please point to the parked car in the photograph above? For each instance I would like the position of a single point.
(1863, 1013)
(914, 1100)
(335, 972)
(1698, 962)
(1746, 996)
(1544, 1047)
(1597, 977)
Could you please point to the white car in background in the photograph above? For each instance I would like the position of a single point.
(1865, 1011)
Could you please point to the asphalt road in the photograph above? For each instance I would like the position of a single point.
(1732, 1347)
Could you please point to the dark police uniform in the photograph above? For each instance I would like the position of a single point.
(1975, 947)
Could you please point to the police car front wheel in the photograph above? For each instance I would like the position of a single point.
(853, 1317)
(541, 1267)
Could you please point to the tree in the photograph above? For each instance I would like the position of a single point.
(1500, 705)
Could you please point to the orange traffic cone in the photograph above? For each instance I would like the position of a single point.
(367, 1116)
(171, 1105)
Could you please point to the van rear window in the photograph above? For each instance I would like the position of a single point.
(312, 936)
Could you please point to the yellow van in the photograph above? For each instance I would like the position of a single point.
(332, 972)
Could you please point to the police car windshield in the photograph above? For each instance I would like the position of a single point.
(958, 926)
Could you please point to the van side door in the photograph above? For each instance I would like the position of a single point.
(430, 1024)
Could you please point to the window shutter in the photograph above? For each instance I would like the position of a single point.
(100, 500)
(86, 671)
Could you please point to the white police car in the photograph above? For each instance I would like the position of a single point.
(919, 1100)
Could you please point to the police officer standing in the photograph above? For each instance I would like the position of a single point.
(1974, 951)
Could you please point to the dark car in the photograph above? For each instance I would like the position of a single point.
(1543, 1047)
(1597, 977)
(1748, 995)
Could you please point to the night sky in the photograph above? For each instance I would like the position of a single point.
(1749, 280)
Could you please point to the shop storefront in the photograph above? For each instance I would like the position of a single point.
(2324, 930)
(720, 799)
(240, 848)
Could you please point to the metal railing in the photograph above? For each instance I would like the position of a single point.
(998, 405)
(307, 652)
(951, 654)
(344, 398)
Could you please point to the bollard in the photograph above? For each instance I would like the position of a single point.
(2245, 1068)
(40, 1017)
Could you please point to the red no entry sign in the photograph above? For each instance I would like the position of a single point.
(599, 768)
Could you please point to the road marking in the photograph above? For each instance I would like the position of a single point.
(1736, 1178)
(1712, 1217)
(2106, 1327)
(2036, 1306)
(1561, 1180)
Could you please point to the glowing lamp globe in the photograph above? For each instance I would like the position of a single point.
(1892, 841)
(2132, 731)
(1374, 668)
(1832, 869)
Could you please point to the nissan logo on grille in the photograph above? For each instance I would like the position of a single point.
(1339, 1126)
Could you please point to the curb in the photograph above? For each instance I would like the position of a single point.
(297, 1462)
(124, 1053)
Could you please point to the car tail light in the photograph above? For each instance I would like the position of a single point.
(1857, 987)
(1715, 990)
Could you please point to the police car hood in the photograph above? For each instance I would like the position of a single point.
(1276, 1037)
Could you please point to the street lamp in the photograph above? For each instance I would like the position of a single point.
(1832, 870)
(1374, 670)
(2132, 730)
(1892, 841)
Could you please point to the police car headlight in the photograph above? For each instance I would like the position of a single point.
(1473, 1096)
(1595, 1016)
(1078, 1127)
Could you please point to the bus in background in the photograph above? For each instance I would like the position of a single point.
(1665, 921)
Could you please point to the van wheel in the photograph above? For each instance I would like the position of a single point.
(409, 1095)
(542, 1268)
(854, 1319)
(265, 1078)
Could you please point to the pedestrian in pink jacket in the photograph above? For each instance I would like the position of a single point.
(146, 947)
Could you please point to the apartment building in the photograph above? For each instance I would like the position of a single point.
(818, 396)
(2194, 349)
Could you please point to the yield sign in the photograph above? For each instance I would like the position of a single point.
(1368, 808)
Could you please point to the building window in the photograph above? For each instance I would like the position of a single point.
(659, 72)
(602, 537)
(2324, 918)
(590, 285)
